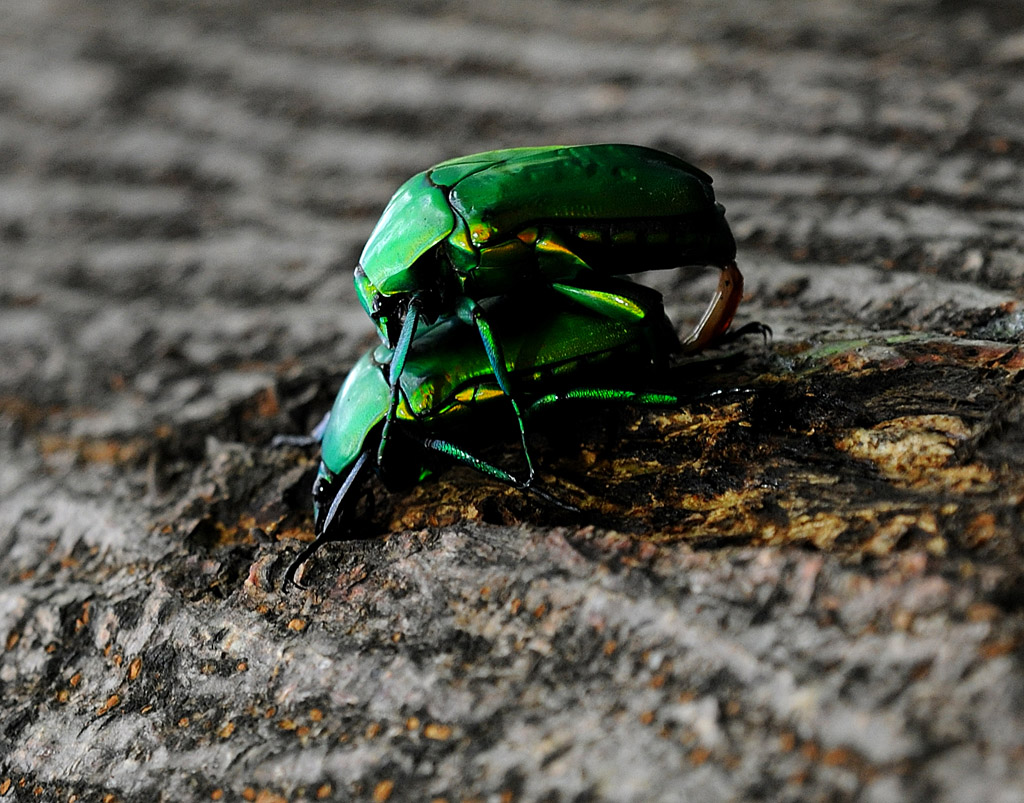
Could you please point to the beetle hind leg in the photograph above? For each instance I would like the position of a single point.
(715, 321)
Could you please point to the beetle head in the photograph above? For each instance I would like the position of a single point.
(388, 311)
(399, 259)
(382, 309)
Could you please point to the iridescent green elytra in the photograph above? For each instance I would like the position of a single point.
(566, 218)
(483, 225)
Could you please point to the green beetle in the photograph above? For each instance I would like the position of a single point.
(448, 384)
(570, 218)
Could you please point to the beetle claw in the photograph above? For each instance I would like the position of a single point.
(752, 328)
(551, 500)
(301, 559)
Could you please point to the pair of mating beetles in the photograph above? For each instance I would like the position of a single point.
(497, 276)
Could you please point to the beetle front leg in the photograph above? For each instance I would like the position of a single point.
(398, 357)
(328, 527)
(473, 314)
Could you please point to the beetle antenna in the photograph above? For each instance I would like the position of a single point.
(326, 534)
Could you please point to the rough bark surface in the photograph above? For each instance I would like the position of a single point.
(808, 589)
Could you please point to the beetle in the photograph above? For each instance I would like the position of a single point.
(448, 384)
(568, 217)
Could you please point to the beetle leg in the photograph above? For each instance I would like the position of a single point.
(318, 431)
(312, 439)
(301, 441)
(398, 357)
(631, 397)
(472, 313)
(717, 317)
(641, 399)
(327, 534)
(460, 455)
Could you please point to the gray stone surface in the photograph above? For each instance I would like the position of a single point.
(808, 590)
